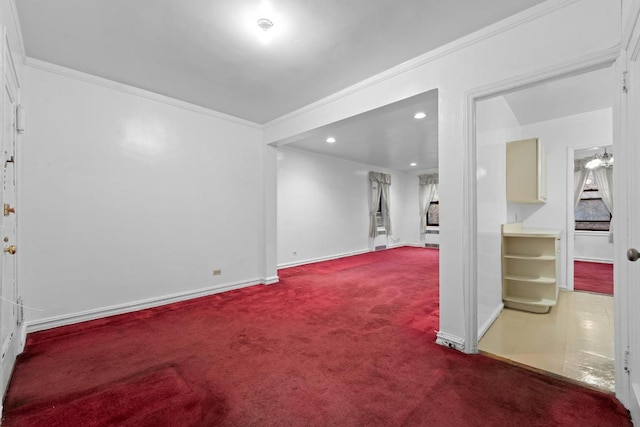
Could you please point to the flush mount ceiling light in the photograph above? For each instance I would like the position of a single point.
(265, 24)
(420, 115)
(604, 160)
(413, 164)
(331, 140)
(265, 30)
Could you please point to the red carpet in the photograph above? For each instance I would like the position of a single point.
(347, 342)
(593, 277)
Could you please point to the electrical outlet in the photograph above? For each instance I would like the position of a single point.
(217, 272)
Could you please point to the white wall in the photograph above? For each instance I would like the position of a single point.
(579, 131)
(495, 126)
(323, 207)
(547, 35)
(127, 199)
(593, 246)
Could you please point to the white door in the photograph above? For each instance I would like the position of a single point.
(631, 269)
(9, 316)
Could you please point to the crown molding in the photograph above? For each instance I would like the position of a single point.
(132, 90)
(630, 26)
(499, 27)
(16, 22)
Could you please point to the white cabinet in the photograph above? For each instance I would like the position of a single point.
(526, 173)
(530, 267)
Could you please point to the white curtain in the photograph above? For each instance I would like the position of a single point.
(604, 182)
(380, 183)
(427, 190)
(580, 173)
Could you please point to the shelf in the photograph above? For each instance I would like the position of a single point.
(530, 267)
(530, 300)
(532, 257)
(530, 279)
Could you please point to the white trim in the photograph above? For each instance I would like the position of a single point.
(451, 341)
(470, 225)
(11, 349)
(596, 260)
(630, 25)
(635, 398)
(502, 26)
(322, 258)
(570, 224)
(486, 325)
(270, 280)
(69, 319)
(16, 22)
(590, 233)
(574, 66)
(131, 90)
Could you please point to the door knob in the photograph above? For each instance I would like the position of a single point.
(633, 254)
(8, 209)
(11, 249)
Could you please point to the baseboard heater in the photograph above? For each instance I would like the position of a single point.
(381, 247)
(431, 245)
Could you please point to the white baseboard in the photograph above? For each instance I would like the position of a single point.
(451, 341)
(270, 280)
(69, 319)
(323, 258)
(598, 260)
(487, 324)
(345, 254)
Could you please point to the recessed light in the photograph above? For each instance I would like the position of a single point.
(420, 115)
(331, 140)
(413, 164)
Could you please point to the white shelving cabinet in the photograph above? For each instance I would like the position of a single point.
(530, 267)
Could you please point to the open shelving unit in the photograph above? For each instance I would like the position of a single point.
(530, 263)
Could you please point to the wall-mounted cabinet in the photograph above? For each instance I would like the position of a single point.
(526, 174)
(530, 264)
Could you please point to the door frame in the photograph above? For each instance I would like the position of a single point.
(601, 59)
(570, 230)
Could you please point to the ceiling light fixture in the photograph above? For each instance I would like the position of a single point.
(331, 140)
(604, 160)
(265, 26)
(420, 115)
(413, 164)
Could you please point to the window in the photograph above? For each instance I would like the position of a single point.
(433, 213)
(379, 217)
(591, 214)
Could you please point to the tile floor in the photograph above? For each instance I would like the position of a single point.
(574, 340)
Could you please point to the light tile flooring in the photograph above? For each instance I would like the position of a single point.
(574, 340)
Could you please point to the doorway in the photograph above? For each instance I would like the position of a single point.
(575, 339)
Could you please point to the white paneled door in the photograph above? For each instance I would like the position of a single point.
(632, 265)
(9, 308)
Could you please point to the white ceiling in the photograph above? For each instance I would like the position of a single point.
(206, 52)
(202, 52)
(565, 97)
(388, 137)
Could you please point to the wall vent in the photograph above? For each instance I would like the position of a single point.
(431, 231)
(431, 245)
(381, 247)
